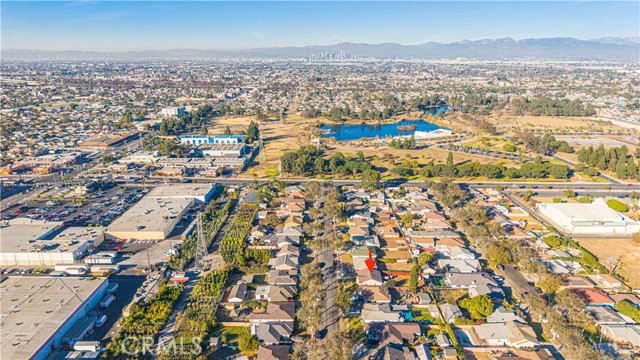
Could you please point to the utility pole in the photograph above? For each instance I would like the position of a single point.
(201, 246)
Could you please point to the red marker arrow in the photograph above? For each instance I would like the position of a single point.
(370, 263)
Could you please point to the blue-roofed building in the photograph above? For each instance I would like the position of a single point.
(196, 140)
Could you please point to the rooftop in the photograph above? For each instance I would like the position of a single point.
(43, 237)
(26, 323)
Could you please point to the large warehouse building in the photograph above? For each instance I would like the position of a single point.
(27, 242)
(156, 215)
(38, 312)
(588, 219)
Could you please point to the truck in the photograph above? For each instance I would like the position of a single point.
(104, 303)
(71, 269)
(92, 346)
(94, 259)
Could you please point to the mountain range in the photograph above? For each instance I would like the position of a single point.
(561, 48)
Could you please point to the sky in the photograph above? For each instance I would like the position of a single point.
(114, 26)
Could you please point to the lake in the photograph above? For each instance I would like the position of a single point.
(360, 131)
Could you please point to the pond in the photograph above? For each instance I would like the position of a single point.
(360, 131)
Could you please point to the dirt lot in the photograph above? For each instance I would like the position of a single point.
(552, 123)
(624, 249)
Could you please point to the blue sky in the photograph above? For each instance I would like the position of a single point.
(144, 25)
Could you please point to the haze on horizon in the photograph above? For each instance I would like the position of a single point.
(115, 26)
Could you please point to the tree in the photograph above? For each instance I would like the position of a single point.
(248, 343)
(424, 258)
(370, 180)
(479, 307)
(569, 193)
(227, 130)
(312, 297)
(407, 218)
(414, 279)
(252, 133)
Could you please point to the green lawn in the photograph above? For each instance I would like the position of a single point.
(229, 334)
(422, 315)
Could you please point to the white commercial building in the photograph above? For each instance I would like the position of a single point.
(438, 133)
(38, 311)
(156, 215)
(588, 219)
(172, 111)
(27, 242)
(196, 140)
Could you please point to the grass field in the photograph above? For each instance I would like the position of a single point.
(624, 249)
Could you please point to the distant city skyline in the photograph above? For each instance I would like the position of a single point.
(114, 26)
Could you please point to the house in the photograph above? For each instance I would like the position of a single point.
(395, 352)
(467, 281)
(291, 231)
(608, 282)
(627, 334)
(502, 315)
(273, 352)
(509, 334)
(273, 333)
(382, 313)
(577, 282)
(423, 352)
(275, 312)
(522, 336)
(258, 231)
(366, 278)
(288, 249)
(280, 277)
(424, 298)
(460, 266)
(460, 253)
(443, 340)
(605, 315)
(595, 297)
(238, 293)
(398, 333)
(375, 294)
(293, 221)
(275, 293)
(355, 231)
(281, 293)
(450, 312)
(629, 297)
(284, 262)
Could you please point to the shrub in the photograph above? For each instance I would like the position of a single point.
(584, 200)
(557, 200)
(509, 148)
(617, 205)
(552, 241)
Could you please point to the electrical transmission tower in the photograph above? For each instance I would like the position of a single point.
(201, 244)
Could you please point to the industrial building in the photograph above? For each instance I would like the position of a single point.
(588, 219)
(196, 140)
(156, 215)
(27, 242)
(224, 150)
(40, 313)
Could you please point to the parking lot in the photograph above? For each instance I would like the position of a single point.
(99, 208)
